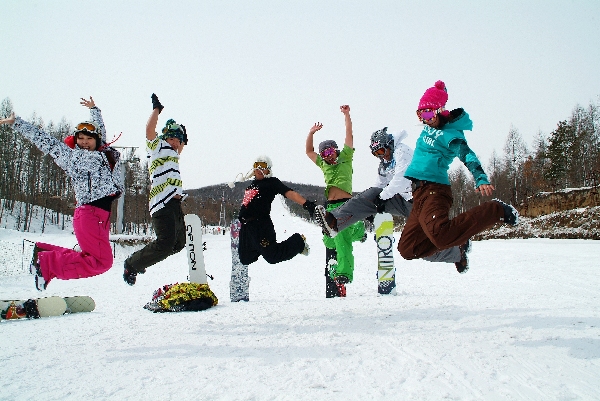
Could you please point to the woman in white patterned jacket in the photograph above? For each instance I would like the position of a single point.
(94, 170)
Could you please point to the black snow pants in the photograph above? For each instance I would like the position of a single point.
(257, 237)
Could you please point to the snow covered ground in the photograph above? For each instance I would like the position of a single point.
(522, 324)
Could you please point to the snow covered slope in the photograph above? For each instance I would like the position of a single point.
(523, 323)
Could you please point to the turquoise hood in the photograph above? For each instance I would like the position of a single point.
(433, 156)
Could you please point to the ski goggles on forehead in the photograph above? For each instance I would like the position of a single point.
(261, 165)
(328, 152)
(428, 114)
(86, 127)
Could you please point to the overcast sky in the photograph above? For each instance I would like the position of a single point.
(251, 77)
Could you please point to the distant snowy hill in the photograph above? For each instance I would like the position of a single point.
(581, 223)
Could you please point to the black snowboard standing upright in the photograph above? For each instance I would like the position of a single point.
(331, 290)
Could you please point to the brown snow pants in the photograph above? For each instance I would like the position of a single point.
(428, 228)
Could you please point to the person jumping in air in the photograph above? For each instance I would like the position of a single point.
(428, 227)
(257, 234)
(95, 173)
(166, 194)
(337, 170)
(391, 194)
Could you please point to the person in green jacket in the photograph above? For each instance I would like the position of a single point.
(337, 170)
(428, 228)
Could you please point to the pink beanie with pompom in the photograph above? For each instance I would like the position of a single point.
(434, 97)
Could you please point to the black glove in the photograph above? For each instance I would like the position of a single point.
(156, 103)
(379, 204)
(185, 139)
(310, 206)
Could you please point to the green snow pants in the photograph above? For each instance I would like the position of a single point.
(342, 243)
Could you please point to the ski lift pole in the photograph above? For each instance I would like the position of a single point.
(23, 250)
(121, 200)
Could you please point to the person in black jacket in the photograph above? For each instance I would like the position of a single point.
(257, 235)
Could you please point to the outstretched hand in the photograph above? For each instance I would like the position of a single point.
(485, 189)
(345, 109)
(156, 103)
(315, 128)
(88, 103)
(9, 120)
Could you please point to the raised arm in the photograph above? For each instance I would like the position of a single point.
(307, 205)
(88, 103)
(295, 196)
(349, 140)
(153, 120)
(151, 125)
(42, 140)
(310, 148)
(95, 116)
(462, 150)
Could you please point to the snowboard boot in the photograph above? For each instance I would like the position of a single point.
(340, 283)
(35, 263)
(364, 238)
(40, 283)
(326, 220)
(463, 265)
(511, 216)
(34, 268)
(31, 309)
(332, 268)
(306, 249)
(331, 290)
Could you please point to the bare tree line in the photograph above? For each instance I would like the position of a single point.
(568, 157)
(30, 178)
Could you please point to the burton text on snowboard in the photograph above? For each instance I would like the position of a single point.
(195, 248)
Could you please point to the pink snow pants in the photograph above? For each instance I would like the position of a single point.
(92, 227)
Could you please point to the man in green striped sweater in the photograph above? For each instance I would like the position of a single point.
(166, 195)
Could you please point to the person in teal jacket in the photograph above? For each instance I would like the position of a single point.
(428, 227)
(337, 170)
